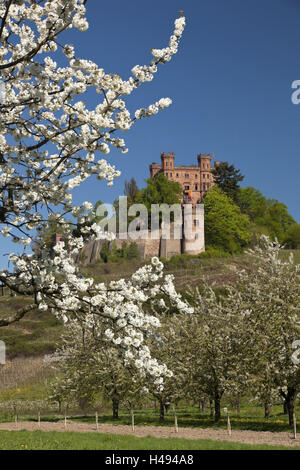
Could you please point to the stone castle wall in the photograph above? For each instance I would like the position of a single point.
(149, 247)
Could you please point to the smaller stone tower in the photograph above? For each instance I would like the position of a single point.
(193, 231)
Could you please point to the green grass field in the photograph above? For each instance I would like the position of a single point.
(39, 440)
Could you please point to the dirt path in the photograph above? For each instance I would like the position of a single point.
(247, 437)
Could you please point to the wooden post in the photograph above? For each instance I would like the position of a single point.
(97, 424)
(16, 407)
(65, 417)
(39, 419)
(132, 419)
(16, 413)
(175, 420)
(228, 424)
(295, 425)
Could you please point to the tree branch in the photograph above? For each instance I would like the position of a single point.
(4, 17)
(17, 316)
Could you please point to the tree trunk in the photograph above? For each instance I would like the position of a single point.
(285, 410)
(115, 408)
(290, 409)
(161, 411)
(83, 405)
(203, 406)
(238, 406)
(217, 408)
(268, 408)
(289, 403)
(167, 407)
(211, 405)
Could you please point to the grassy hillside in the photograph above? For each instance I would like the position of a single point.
(34, 335)
(188, 270)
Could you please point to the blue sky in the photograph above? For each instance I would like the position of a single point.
(230, 84)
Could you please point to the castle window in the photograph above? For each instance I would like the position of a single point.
(186, 175)
(177, 175)
(196, 222)
(167, 175)
(196, 187)
(196, 175)
(186, 188)
(166, 163)
(196, 236)
(171, 175)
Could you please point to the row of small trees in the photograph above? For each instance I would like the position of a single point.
(238, 343)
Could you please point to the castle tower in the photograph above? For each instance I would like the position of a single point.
(193, 241)
(167, 161)
(206, 179)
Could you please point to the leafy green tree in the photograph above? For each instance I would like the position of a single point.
(110, 253)
(133, 251)
(252, 202)
(292, 237)
(226, 227)
(227, 178)
(159, 190)
(268, 216)
(277, 219)
(105, 252)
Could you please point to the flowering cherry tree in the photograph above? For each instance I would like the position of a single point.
(271, 298)
(50, 142)
(217, 355)
(90, 369)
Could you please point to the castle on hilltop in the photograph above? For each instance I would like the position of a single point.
(195, 181)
